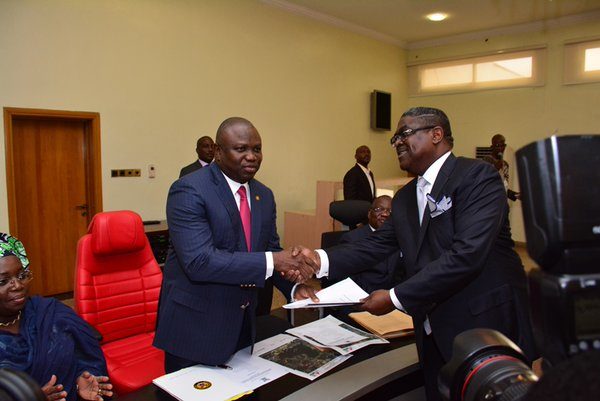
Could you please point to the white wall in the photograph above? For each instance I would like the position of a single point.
(163, 73)
(522, 115)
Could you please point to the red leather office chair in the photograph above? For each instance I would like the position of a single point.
(117, 283)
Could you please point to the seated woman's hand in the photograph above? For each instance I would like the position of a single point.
(93, 388)
(53, 391)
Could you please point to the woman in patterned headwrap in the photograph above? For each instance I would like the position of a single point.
(43, 337)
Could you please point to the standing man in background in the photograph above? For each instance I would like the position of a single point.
(224, 245)
(359, 182)
(205, 149)
(497, 159)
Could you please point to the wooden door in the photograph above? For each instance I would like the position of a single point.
(52, 197)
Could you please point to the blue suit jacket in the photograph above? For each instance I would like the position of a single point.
(210, 280)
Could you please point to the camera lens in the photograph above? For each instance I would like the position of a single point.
(497, 377)
(485, 366)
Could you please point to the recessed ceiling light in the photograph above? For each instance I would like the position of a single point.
(436, 17)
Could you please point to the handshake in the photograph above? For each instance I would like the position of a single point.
(297, 264)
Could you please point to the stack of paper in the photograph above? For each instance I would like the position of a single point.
(242, 374)
(197, 382)
(394, 324)
(346, 292)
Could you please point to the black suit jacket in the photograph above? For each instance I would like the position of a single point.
(210, 280)
(461, 265)
(356, 185)
(190, 168)
(383, 275)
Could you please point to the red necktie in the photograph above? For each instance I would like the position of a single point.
(245, 215)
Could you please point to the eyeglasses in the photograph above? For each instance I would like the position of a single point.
(401, 136)
(379, 210)
(23, 277)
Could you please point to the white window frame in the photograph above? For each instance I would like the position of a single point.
(538, 55)
(574, 62)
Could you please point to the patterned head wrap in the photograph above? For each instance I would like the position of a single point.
(9, 245)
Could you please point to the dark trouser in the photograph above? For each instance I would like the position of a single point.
(174, 363)
(431, 363)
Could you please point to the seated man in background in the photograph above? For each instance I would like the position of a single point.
(205, 149)
(359, 182)
(383, 275)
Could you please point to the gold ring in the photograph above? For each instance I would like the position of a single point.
(99, 391)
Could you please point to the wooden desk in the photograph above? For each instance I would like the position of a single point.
(306, 226)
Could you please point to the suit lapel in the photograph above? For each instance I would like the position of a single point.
(256, 213)
(224, 192)
(440, 181)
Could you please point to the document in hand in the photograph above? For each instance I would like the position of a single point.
(330, 332)
(346, 292)
(242, 374)
(392, 325)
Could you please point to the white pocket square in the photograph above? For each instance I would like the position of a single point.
(437, 208)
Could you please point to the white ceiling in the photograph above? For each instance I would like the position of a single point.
(403, 22)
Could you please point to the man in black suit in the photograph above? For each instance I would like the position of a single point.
(359, 182)
(205, 148)
(451, 224)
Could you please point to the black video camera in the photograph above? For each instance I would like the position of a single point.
(560, 192)
(560, 182)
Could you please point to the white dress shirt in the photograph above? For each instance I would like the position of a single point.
(234, 187)
(368, 174)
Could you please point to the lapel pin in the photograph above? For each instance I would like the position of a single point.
(257, 197)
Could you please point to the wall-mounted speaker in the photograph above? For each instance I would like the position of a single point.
(381, 111)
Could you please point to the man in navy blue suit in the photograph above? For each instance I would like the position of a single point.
(451, 223)
(224, 246)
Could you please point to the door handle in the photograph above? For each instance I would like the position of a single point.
(83, 208)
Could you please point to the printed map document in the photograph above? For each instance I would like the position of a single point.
(345, 292)
(242, 374)
(298, 356)
(333, 333)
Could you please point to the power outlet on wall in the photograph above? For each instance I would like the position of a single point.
(132, 172)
